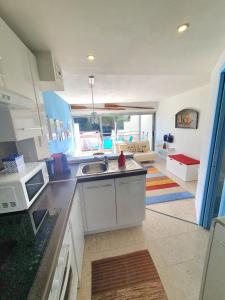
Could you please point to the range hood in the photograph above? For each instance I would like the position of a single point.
(10, 100)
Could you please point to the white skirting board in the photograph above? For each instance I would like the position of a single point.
(113, 228)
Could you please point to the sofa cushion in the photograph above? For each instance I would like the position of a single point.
(145, 156)
(133, 147)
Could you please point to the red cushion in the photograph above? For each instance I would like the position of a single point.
(186, 160)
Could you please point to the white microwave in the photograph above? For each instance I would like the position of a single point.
(18, 191)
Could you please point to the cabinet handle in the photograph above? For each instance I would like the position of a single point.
(136, 181)
(98, 186)
(30, 128)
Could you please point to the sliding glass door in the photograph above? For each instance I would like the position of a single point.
(101, 137)
(107, 124)
(148, 129)
(129, 129)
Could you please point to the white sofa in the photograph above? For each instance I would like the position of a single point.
(141, 150)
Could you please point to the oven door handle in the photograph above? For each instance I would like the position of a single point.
(65, 282)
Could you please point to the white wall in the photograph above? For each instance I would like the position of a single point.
(194, 98)
(214, 84)
(186, 141)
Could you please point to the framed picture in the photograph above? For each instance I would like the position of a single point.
(187, 118)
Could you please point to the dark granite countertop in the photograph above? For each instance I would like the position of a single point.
(58, 195)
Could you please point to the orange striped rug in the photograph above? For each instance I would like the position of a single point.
(156, 180)
(127, 277)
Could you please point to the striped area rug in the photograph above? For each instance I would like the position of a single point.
(160, 188)
(126, 277)
(156, 180)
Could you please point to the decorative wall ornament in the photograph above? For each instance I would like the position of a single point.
(187, 118)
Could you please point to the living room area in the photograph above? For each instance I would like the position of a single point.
(165, 137)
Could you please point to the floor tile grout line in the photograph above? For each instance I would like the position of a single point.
(170, 216)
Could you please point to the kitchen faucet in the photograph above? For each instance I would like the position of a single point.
(104, 158)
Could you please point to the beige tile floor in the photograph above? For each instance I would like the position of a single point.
(177, 248)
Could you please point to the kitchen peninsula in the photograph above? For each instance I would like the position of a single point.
(79, 204)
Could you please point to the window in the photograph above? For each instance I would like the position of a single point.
(111, 129)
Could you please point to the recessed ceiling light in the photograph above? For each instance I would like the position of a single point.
(183, 27)
(91, 57)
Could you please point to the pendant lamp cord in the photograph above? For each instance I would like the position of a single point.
(92, 98)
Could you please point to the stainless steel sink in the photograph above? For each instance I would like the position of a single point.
(94, 168)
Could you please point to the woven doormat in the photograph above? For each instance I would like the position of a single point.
(126, 277)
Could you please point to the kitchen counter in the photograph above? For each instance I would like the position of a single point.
(133, 168)
(58, 196)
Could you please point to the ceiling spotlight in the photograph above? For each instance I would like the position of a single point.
(91, 57)
(183, 27)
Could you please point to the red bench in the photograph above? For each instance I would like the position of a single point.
(186, 160)
(183, 166)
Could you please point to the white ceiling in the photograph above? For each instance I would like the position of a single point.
(139, 54)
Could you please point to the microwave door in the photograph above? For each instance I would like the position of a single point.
(34, 184)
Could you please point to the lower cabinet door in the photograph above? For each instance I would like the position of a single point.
(130, 200)
(100, 206)
(77, 231)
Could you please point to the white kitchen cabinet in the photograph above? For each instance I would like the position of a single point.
(213, 282)
(15, 71)
(77, 231)
(67, 274)
(112, 203)
(50, 72)
(130, 199)
(65, 280)
(99, 203)
(18, 125)
(39, 143)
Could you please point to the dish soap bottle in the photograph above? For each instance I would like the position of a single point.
(122, 161)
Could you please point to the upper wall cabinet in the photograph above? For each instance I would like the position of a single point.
(50, 73)
(17, 125)
(15, 73)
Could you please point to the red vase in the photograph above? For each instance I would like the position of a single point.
(122, 161)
